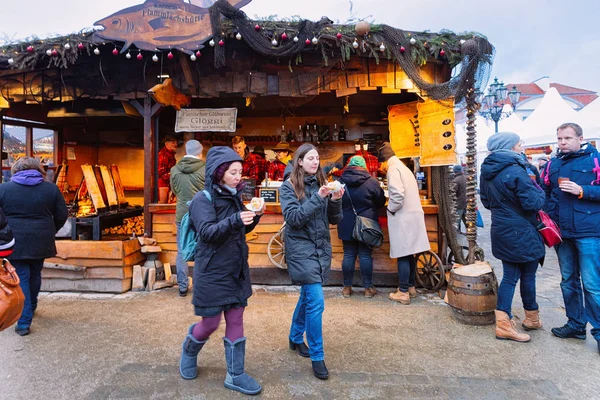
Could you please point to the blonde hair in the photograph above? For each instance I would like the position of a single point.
(25, 163)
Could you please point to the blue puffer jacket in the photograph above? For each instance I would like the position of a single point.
(576, 217)
(367, 197)
(307, 237)
(514, 200)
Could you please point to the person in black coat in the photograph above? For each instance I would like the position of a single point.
(514, 200)
(309, 206)
(35, 211)
(221, 272)
(366, 197)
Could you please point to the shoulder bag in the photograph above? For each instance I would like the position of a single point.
(11, 295)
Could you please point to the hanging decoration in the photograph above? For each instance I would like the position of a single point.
(115, 52)
(96, 51)
(128, 55)
(211, 43)
(274, 42)
(238, 36)
(362, 28)
(284, 36)
(355, 44)
(315, 40)
(48, 52)
(382, 47)
(139, 56)
(30, 49)
(193, 57)
(221, 43)
(170, 55)
(198, 54)
(155, 58)
(80, 46)
(67, 46)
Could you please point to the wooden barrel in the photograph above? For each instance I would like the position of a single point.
(472, 294)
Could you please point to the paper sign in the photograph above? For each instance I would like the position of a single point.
(206, 120)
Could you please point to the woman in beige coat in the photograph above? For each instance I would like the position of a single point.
(406, 222)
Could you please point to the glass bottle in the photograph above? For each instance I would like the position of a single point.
(342, 134)
(299, 135)
(307, 137)
(336, 134)
(314, 134)
(283, 134)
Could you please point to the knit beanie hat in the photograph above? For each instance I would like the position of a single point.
(357, 161)
(457, 168)
(193, 148)
(502, 141)
(385, 152)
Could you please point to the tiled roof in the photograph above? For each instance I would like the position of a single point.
(581, 96)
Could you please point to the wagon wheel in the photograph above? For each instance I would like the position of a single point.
(430, 271)
(465, 250)
(276, 249)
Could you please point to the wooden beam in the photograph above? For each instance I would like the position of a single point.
(148, 163)
(187, 73)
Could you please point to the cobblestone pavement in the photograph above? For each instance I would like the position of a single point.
(92, 346)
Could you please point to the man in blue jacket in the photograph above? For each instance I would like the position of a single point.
(572, 183)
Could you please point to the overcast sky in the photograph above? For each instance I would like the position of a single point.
(534, 38)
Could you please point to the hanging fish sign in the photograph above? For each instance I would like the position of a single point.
(161, 24)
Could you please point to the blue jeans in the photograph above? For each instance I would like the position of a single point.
(182, 267)
(579, 261)
(511, 274)
(461, 214)
(407, 269)
(30, 274)
(353, 248)
(308, 317)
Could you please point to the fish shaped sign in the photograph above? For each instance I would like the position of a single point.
(161, 24)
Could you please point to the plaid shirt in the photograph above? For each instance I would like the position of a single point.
(166, 161)
(276, 169)
(252, 167)
(370, 160)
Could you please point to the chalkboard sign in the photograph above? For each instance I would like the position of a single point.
(373, 140)
(249, 190)
(270, 195)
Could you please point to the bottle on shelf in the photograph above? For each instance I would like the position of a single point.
(314, 134)
(307, 136)
(342, 134)
(299, 135)
(283, 134)
(335, 136)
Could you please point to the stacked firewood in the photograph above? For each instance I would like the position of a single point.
(130, 226)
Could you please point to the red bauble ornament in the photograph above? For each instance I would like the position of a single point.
(307, 42)
(257, 27)
(170, 56)
(402, 49)
(80, 46)
(221, 43)
(30, 49)
(198, 54)
(339, 35)
(139, 56)
(442, 53)
(284, 36)
(54, 52)
(115, 52)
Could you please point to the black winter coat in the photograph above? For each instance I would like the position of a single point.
(367, 197)
(307, 237)
(34, 213)
(507, 190)
(221, 272)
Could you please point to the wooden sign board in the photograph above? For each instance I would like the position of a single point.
(271, 195)
(160, 24)
(206, 120)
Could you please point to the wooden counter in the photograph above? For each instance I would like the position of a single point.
(263, 271)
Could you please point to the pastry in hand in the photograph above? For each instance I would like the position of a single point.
(255, 204)
(334, 186)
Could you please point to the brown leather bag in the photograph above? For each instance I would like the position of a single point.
(11, 295)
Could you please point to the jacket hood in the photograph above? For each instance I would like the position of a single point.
(288, 170)
(355, 176)
(189, 165)
(216, 156)
(585, 150)
(498, 160)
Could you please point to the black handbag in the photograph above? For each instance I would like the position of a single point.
(366, 230)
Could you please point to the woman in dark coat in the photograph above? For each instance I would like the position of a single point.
(221, 273)
(364, 193)
(35, 211)
(308, 210)
(514, 200)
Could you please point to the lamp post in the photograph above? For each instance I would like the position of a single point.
(493, 103)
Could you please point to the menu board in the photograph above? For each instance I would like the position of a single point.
(249, 190)
(271, 195)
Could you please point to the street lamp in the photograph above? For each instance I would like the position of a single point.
(493, 103)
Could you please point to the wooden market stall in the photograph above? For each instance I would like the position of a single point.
(379, 83)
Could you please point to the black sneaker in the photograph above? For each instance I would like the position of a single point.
(183, 293)
(566, 332)
(22, 331)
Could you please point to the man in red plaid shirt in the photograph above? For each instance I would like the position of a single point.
(360, 149)
(283, 154)
(251, 166)
(166, 161)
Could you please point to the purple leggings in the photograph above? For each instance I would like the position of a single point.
(234, 329)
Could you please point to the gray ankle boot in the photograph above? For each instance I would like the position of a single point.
(237, 379)
(188, 366)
